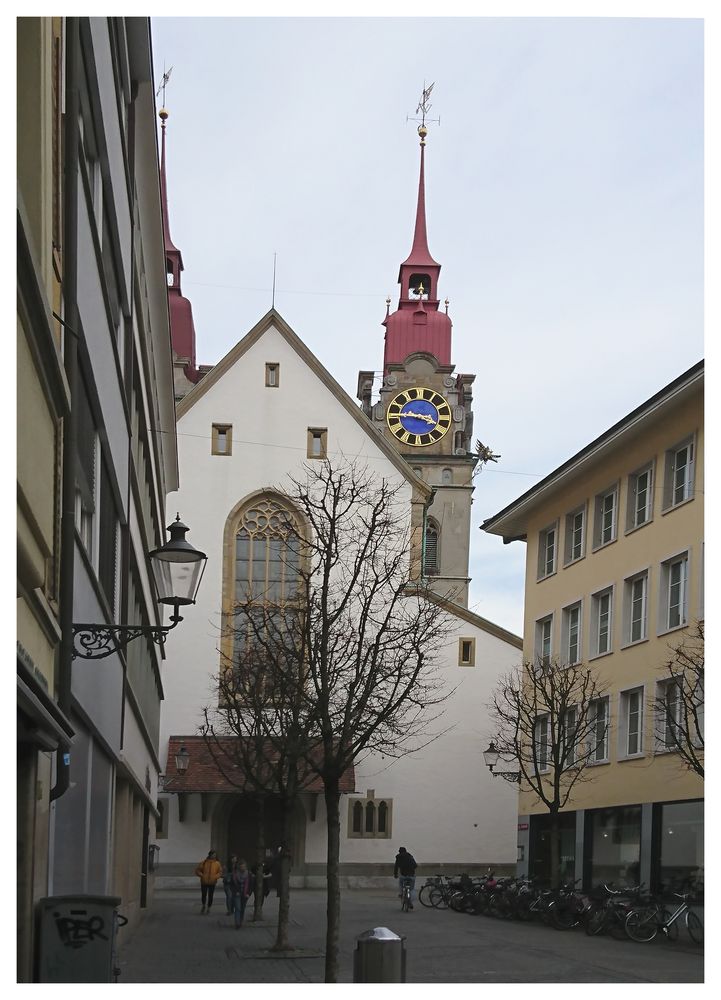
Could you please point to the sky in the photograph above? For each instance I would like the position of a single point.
(564, 200)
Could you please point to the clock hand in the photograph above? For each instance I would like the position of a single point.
(419, 416)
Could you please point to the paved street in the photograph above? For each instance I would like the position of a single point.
(175, 944)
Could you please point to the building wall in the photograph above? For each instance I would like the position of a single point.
(649, 776)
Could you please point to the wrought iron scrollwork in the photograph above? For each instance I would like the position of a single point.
(94, 642)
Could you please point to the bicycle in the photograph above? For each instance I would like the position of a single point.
(644, 922)
(406, 904)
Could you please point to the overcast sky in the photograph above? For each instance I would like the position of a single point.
(564, 196)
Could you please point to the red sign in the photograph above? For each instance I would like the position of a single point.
(523, 826)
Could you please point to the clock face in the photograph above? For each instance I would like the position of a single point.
(418, 417)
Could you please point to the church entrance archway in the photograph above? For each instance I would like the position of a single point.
(243, 826)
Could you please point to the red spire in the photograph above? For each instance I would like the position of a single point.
(169, 245)
(420, 255)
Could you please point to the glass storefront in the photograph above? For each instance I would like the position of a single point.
(613, 845)
(680, 846)
(539, 859)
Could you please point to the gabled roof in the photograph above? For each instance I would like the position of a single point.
(451, 608)
(273, 319)
(510, 522)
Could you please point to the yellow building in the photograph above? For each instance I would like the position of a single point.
(614, 579)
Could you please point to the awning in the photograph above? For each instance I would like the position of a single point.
(40, 721)
(205, 775)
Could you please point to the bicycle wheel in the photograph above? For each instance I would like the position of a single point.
(694, 928)
(456, 901)
(405, 901)
(562, 918)
(596, 920)
(424, 895)
(671, 929)
(642, 925)
(438, 898)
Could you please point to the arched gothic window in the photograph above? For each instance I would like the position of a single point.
(262, 573)
(431, 554)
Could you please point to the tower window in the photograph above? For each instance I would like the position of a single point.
(169, 272)
(272, 375)
(222, 440)
(419, 286)
(466, 652)
(431, 561)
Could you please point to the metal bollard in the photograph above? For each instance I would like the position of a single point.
(380, 957)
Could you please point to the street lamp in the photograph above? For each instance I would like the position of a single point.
(177, 570)
(182, 759)
(491, 756)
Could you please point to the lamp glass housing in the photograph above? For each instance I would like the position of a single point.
(177, 568)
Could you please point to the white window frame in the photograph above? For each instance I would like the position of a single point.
(549, 534)
(572, 757)
(681, 559)
(568, 614)
(671, 496)
(543, 638)
(631, 717)
(632, 596)
(594, 758)
(662, 739)
(632, 512)
(542, 741)
(571, 532)
(596, 611)
(599, 529)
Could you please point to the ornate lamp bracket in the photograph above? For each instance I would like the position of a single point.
(94, 642)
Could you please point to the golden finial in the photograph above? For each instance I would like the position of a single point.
(388, 306)
(424, 106)
(163, 115)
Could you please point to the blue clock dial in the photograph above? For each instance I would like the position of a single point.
(418, 417)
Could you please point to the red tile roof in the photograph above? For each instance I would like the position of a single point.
(204, 775)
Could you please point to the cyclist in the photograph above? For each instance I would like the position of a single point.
(405, 864)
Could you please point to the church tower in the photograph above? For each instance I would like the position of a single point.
(425, 408)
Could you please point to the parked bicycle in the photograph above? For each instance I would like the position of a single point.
(643, 923)
(406, 882)
(609, 908)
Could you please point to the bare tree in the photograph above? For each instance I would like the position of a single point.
(259, 730)
(370, 639)
(551, 721)
(679, 705)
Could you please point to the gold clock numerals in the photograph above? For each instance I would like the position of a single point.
(432, 421)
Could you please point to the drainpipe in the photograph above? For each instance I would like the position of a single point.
(70, 354)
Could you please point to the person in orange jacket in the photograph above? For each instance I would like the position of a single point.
(208, 871)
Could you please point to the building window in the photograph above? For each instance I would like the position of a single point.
(575, 535)
(431, 560)
(599, 733)
(317, 442)
(570, 736)
(606, 517)
(669, 710)
(571, 634)
(636, 608)
(640, 498)
(446, 477)
(107, 539)
(631, 723)
(615, 839)
(681, 860)
(547, 551)
(370, 817)
(466, 652)
(542, 739)
(679, 477)
(88, 459)
(544, 631)
(272, 374)
(674, 592)
(601, 622)
(222, 439)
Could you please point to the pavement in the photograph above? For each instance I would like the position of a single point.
(174, 943)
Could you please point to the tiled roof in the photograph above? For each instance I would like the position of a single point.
(204, 775)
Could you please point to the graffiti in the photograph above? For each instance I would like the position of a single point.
(75, 933)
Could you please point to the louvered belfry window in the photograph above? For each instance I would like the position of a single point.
(430, 553)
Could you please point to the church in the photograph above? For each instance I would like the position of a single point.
(262, 414)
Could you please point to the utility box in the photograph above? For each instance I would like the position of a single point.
(76, 939)
(379, 957)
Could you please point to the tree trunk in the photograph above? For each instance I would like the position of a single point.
(281, 941)
(555, 849)
(259, 894)
(332, 802)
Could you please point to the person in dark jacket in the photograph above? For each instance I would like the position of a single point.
(241, 886)
(405, 869)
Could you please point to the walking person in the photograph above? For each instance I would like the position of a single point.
(241, 886)
(227, 874)
(405, 871)
(208, 871)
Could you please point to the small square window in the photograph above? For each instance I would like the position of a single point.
(317, 442)
(639, 509)
(606, 524)
(272, 374)
(222, 439)
(466, 652)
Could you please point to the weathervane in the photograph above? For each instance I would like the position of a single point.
(163, 83)
(424, 106)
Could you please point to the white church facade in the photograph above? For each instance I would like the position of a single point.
(257, 418)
